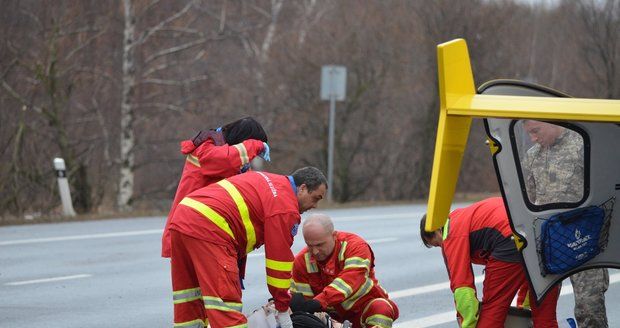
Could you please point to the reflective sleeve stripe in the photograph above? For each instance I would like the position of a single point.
(310, 266)
(356, 262)
(343, 248)
(304, 289)
(198, 323)
(186, 295)
(279, 265)
(243, 212)
(208, 213)
(365, 289)
(341, 286)
(379, 320)
(278, 283)
(243, 153)
(243, 325)
(193, 160)
(216, 303)
(446, 227)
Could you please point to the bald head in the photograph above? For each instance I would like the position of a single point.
(319, 234)
(318, 222)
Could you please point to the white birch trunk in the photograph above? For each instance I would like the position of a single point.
(127, 141)
(263, 58)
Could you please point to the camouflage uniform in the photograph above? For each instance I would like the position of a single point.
(555, 174)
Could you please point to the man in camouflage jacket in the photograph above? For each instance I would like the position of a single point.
(553, 170)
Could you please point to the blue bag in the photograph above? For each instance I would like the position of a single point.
(571, 238)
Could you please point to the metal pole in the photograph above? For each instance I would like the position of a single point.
(330, 152)
(63, 187)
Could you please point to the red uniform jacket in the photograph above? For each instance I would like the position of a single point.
(474, 234)
(345, 281)
(247, 211)
(210, 162)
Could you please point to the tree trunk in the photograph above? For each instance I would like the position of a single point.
(127, 141)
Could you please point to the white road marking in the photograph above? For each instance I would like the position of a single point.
(39, 281)
(450, 316)
(378, 217)
(81, 237)
(426, 289)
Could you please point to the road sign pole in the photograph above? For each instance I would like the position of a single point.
(333, 88)
(330, 152)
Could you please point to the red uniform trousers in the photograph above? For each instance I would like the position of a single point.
(378, 312)
(501, 282)
(205, 281)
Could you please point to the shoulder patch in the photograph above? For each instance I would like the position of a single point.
(294, 230)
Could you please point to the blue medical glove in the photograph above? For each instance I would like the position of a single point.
(265, 153)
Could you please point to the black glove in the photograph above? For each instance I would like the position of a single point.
(300, 303)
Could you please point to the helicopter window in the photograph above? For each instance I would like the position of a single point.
(551, 162)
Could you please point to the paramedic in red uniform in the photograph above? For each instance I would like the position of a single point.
(480, 234)
(214, 155)
(335, 273)
(216, 225)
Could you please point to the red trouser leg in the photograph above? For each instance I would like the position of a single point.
(501, 282)
(214, 269)
(544, 314)
(378, 312)
(189, 309)
(523, 300)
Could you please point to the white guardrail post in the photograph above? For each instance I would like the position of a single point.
(63, 187)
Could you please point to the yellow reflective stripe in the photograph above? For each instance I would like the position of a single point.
(526, 301)
(243, 153)
(365, 289)
(198, 323)
(217, 303)
(341, 286)
(379, 320)
(278, 283)
(186, 295)
(343, 248)
(356, 262)
(243, 212)
(193, 160)
(208, 213)
(244, 325)
(279, 265)
(446, 227)
(299, 287)
(310, 267)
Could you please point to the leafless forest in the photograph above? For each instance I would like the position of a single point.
(113, 86)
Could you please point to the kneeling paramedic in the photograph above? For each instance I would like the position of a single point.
(335, 273)
(215, 226)
(481, 234)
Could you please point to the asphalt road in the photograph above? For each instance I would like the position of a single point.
(109, 273)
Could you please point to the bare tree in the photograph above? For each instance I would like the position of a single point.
(43, 78)
(600, 44)
(153, 49)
